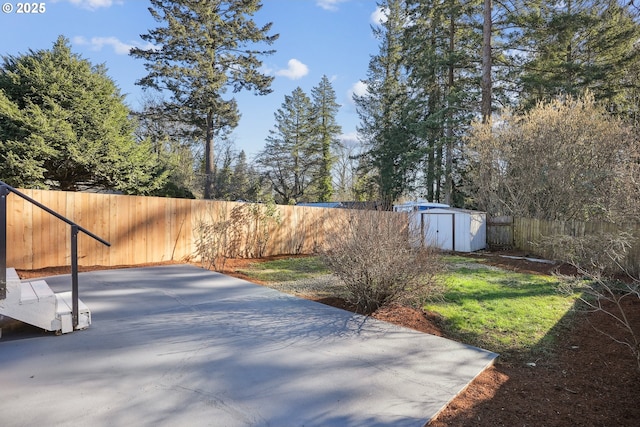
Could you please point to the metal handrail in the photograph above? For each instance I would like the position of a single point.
(5, 189)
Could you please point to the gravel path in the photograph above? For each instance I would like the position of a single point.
(321, 286)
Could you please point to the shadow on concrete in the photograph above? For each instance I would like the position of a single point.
(179, 345)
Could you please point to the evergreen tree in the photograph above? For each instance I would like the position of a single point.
(224, 176)
(241, 185)
(391, 151)
(365, 185)
(172, 145)
(442, 57)
(325, 109)
(290, 157)
(63, 124)
(487, 61)
(430, 78)
(204, 49)
(579, 45)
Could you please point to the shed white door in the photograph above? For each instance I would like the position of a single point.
(438, 230)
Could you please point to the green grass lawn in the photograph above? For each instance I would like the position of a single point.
(499, 310)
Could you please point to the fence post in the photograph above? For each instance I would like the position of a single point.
(4, 192)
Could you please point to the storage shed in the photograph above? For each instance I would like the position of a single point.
(451, 229)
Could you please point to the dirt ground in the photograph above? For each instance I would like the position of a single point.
(588, 380)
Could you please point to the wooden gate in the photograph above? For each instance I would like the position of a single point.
(500, 232)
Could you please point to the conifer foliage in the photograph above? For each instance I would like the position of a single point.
(201, 50)
(290, 155)
(299, 154)
(327, 132)
(63, 125)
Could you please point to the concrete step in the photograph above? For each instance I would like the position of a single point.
(64, 313)
(35, 303)
(33, 292)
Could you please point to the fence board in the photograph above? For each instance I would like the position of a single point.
(530, 235)
(151, 229)
(500, 232)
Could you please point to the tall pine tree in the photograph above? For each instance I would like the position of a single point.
(204, 49)
(391, 151)
(579, 45)
(290, 157)
(327, 132)
(443, 61)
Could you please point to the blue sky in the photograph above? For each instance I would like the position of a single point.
(317, 37)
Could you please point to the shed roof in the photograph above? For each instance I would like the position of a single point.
(449, 209)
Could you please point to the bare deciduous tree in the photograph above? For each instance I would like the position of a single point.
(566, 159)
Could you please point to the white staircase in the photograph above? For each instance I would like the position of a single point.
(34, 302)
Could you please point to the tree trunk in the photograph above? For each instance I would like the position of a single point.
(325, 185)
(208, 158)
(431, 169)
(448, 168)
(486, 63)
(440, 171)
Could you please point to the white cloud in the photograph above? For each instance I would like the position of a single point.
(350, 139)
(92, 4)
(295, 70)
(379, 16)
(97, 43)
(329, 4)
(357, 89)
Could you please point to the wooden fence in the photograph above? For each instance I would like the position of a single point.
(530, 235)
(155, 229)
(500, 232)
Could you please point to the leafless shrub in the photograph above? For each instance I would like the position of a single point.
(371, 253)
(607, 295)
(242, 232)
(602, 253)
(598, 260)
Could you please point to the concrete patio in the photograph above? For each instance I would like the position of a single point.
(181, 346)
